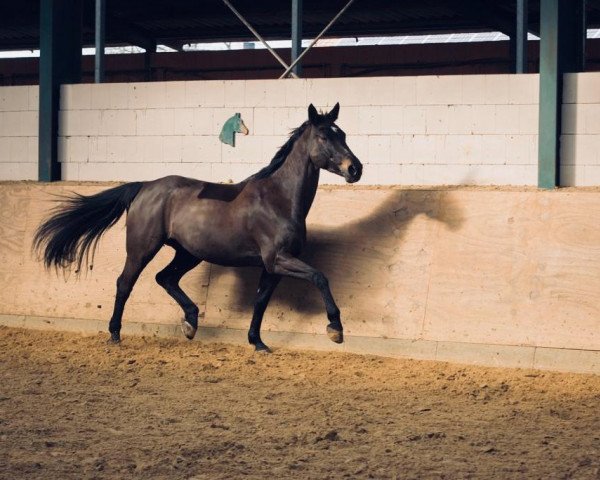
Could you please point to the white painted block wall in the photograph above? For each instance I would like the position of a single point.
(580, 139)
(406, 130)
(19, 133)
(476, 129)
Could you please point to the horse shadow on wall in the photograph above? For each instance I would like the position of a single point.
(359, 255)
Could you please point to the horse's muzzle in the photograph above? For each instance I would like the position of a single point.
(354, 172)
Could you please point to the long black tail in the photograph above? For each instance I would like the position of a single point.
(76, 226)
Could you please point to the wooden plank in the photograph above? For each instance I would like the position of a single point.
(524, 269)
(482, 266)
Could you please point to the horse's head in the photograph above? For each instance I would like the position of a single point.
(327, 145)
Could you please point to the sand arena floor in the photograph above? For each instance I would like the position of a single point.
(74, 407)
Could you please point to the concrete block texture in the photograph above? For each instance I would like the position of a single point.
(78, 97)
(581, 87)
(122, 149)
(120, 122)
(580, 140)
(580, 150)
(75, 149)
(19, 123)
(204, 149)
(234, 91)
(118, 98)
(372, 109)
(487, 124)
(15, 99)
(523, 89)
(18, 149)
(436, 119)
(18, 170)
(415, 121)
(592, 175)
(435, 90)
(80, 122)
(473, 90)
(591, 113)
(461, 119)
(496, 89)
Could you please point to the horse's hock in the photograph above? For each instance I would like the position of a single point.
(497, 276)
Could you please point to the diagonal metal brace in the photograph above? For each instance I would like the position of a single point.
(317, 38)
(258, 36)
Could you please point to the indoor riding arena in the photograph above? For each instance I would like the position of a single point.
(457, 231)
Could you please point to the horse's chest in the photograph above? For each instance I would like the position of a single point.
(291, 237)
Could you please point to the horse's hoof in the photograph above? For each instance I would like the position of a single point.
(114, 339)
(262, 348)
(188, 330)
(334, 335)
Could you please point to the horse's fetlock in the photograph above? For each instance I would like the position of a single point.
(114, 326)
(191, 312)
(334, 316)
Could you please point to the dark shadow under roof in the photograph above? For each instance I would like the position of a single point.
(178, 22)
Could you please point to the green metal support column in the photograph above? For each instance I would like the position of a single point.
(60, 62)
(296, 35)
(562, 41)
(521, 36)
(100, 40)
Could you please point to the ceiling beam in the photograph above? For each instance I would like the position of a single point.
(119, 31)
(487, 15)
(594, 4)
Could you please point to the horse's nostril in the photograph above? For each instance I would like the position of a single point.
(352, 170)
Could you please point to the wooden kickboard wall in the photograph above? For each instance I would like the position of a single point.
(515, 267)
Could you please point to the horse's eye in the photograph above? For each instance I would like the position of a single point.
(322, 137)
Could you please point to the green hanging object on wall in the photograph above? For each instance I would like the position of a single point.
(232, 126)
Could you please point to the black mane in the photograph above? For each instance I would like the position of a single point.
(281, 154)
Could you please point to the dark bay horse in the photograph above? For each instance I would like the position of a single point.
(260, 221)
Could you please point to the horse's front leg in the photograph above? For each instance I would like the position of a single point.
(288, 265)
(267, 284)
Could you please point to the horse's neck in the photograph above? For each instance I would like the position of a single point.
(299, 179)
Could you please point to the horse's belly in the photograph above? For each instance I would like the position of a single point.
(225, 251)
(220, 244)
(238, 261)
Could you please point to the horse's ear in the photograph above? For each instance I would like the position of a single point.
(313, 115)
(333, 115)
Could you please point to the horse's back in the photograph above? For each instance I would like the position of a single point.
(200, 189)
(170, 182)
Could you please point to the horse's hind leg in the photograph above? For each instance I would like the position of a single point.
(134, 264)
(266, 286)
(169, 277)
